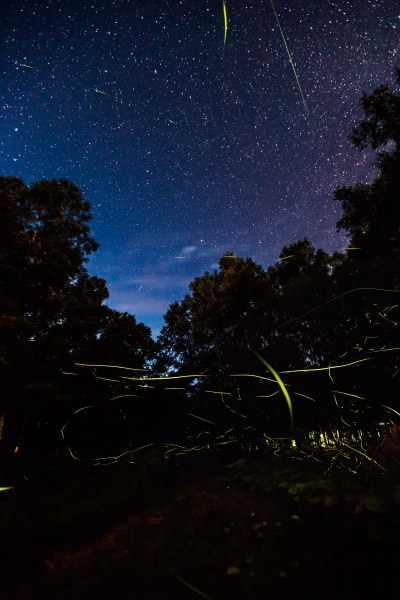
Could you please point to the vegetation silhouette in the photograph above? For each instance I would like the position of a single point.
(297, 357)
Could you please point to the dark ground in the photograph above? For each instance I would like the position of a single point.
(213, 526)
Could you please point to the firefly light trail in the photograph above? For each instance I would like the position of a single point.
(240, 140)
(225, 22)
(290, 59)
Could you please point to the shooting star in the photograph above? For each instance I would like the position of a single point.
(26, 66)
(290, 58)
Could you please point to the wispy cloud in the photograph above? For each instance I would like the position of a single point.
(155, 275)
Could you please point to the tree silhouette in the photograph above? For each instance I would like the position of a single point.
(210, 330)
(52, 312)
(310, 310)
(371, 213)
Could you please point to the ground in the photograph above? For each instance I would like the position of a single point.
(237, 527)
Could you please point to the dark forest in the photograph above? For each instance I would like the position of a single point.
(327, 323)
(299, 359)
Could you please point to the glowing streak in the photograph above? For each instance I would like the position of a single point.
(191, 587)
(225, 21)
(362, 289)
(326, 368)
(109, 366)
(200, 418)
(329, 372)
(363, 454)
(2, 489)
(202, 433)
(290, 58)
(82, 408)
(170, 388)
(249, 375)
(26, 66)
(281, 385)
(384, 349)
(285, 257)
(389, 308)
(125, 396)
(159, 378)
(100, 92)
(383, 315)
(340, 414)
(304, 396)
(347, 394)
(390, 408)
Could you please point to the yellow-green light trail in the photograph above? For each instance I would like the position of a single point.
(290, 58)
(191, 587)
(281, 385)
(225, 21)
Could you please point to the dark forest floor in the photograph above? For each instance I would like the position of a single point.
(221, 526)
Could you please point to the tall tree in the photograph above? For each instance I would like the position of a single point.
(371, 213)
(371, 217)
(51, 310)
(304, 283)
(211, 329)
(45, 242)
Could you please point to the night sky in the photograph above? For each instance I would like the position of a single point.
(186, 146)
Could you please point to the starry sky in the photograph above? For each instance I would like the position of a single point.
(188, 145)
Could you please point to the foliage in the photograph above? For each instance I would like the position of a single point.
(382, 109)
(45, 241)
(328, 324)
(371, 213)
(210, 330)
(52, 312)
(325, 326)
